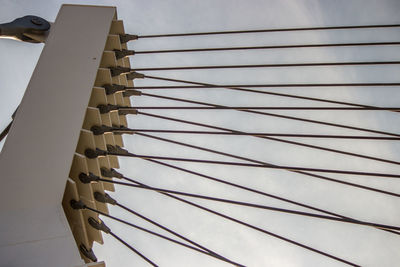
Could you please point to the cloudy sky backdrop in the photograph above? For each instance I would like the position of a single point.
(362, 245)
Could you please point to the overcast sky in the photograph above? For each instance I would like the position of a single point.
(362, 245)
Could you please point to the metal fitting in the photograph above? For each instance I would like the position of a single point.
(92, 154)
(134, 75)
(107, 108)
(123, 53)
(98, 130)
(122, 130)
(113, 88)
(110, 173)
(104, 198)
(99, 225)
(115, 71)
(86, 179)
(124, 38)
(77, 205)
(116, 150)
(129, 93)
(88, 253)
(126, 111)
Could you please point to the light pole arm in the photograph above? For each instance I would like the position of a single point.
(31, 29)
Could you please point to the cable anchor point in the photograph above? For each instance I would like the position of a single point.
(123, 53)
(99, 225)
(129, 93)
(99, 130)
(111, 173)
(122, 130)
(86, 179)
(113, 88)
(124, 38)
(135, 75)
(104, 198)
(88, 253)
(77, 205)
(127, 110)
(115, 71)
(107, 108)
(92, 154)
(122, 110)
(117, 150)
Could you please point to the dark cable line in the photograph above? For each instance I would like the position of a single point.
(265, 163)
(258, 192)
(269, 114)
(275, 65)
(300, 172)
(133, 249)
(258, 91)
(258, 229)
(247, 204)
(172, 232)
(271, 30)
(278, 85)
(159, 235)
(5, 131)
(130, 130)
(198, 174)
(260, 47)
(118, 151)
(262, 108)
(276, 139)
(100, 226)
(239, 164)
(278, 116)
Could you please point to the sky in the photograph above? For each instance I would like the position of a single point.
(362, 245)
